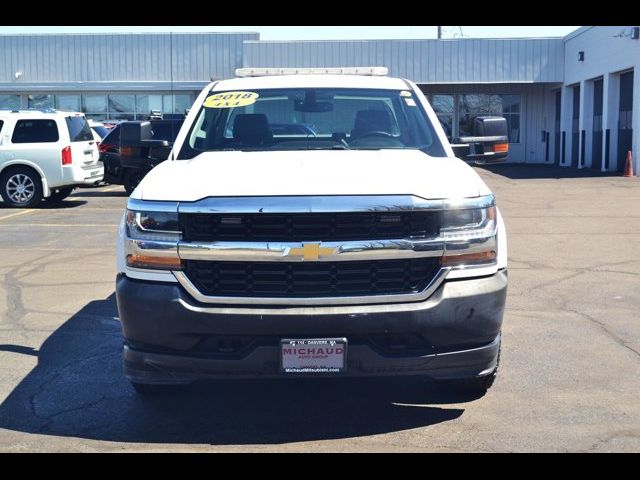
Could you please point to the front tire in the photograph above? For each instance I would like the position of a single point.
(21, 188)
(60, 194)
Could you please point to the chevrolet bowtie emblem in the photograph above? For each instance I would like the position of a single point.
(311, 251)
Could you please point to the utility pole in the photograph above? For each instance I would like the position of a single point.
(439, 33)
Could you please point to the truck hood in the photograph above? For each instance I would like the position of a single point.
(315, 172)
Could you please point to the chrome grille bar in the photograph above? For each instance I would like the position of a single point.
(292, 251)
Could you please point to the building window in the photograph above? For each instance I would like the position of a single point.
(176, 103)
(68, 102)
(511, 111)
(9, 102)
(122, 107)
(443, 105)
(145, 104)
(478, 104)
(95, 106)
(40, 102)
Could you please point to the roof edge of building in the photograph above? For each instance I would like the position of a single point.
(49, 34)
(576, 32)
(405, 39)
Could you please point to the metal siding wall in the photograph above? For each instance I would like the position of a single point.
(424, 61)
(117, 57)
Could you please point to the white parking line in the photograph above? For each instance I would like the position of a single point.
(24, 212)
(112, 189)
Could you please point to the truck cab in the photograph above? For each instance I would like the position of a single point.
(356, 244)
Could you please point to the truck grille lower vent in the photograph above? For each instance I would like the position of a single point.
(311, 279)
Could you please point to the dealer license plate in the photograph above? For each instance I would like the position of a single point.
(313, 355)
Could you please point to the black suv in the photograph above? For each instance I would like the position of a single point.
(132, 172)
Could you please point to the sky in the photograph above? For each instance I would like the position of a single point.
(319, 33)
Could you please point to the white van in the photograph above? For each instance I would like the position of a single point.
(45, 154)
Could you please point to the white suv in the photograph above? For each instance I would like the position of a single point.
(45, 154)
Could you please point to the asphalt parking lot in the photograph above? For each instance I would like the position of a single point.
(570, 366)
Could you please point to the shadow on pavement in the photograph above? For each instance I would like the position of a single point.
(97, 194)
(519, 171)
(18, 349)
(67, 203)
(77, 390)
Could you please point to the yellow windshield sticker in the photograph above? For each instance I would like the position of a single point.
(230, 99)
(405, 93)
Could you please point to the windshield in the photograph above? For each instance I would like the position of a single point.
(311, 119)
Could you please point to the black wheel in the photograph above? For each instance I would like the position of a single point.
(60, 194)
(21, 188)
(131, 179)
(152, 389)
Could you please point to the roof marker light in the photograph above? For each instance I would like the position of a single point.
(262, 72)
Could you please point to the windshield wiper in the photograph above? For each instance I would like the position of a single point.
(311, 147)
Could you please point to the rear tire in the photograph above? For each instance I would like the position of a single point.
(21, 187)
(60, 194)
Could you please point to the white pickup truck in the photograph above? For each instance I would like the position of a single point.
(313, 223)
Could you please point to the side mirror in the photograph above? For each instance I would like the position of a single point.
(489, 143)
(158, 150)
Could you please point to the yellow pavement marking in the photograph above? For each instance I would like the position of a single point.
(24, 212)
(113, 189)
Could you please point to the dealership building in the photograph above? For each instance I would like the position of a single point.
(569, 101)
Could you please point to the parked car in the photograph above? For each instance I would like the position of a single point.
(131, 174)
(99, 130)
(45, 154)
(366, 249)
(111, 124)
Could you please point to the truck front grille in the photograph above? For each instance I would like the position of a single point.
(323, 227)
(312, 279)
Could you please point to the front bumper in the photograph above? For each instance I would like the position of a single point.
(171, 338)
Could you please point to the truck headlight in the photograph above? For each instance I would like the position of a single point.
(469, 232)
(152, 240)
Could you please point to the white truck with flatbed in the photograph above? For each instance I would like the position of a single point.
(355, 245)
